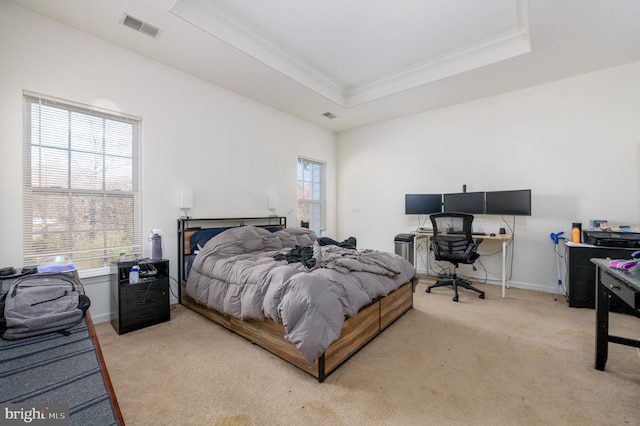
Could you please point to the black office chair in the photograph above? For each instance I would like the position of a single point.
(453, 242)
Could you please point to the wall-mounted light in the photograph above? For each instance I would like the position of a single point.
(274, 204)
(186, 201)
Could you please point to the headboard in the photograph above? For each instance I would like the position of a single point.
(208, 228)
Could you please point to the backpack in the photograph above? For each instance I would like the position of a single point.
(42, 303)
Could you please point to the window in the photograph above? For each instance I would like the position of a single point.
(81, 183)
(311, 197)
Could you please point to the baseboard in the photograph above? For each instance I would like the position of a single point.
(534, 287)
(100, 318)
(494, 281)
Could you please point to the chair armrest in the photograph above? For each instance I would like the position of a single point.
(470, 249)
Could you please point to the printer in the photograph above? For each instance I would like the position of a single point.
(621, 239)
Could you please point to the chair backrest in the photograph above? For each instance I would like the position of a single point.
(452, 237)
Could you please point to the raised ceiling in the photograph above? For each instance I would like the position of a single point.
(353, 52)
(366, 61)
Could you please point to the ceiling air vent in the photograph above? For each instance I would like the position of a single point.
(140, 26)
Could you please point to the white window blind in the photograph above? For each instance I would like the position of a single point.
(81, 183)
(311, 194)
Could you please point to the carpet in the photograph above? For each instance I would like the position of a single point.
(524, 360)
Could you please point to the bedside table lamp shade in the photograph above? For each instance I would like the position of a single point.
(274, 203)
(186, 201)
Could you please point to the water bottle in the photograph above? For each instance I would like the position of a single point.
(156, 247)
(134, 274)
(576, 231)
(575, 235)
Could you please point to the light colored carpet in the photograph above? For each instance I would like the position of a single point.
(525, 360)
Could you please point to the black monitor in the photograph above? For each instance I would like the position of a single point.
(464, 202)
(422, 203)
(516, 203)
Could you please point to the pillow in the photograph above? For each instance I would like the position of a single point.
(272, 229)
(200, 238)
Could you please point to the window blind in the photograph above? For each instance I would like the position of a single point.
(81, 183)
(311, 194)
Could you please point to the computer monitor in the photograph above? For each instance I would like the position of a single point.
(516, 203)
(464, 202)
(422, 203)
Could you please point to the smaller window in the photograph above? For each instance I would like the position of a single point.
(311, 194)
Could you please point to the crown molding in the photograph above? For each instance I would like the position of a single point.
(495, 49)
(217, 22)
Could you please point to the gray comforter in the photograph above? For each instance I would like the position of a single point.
(235, 273)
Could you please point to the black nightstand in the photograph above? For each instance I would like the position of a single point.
(140, 305)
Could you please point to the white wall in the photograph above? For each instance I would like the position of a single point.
(575, 143)
(232, 151)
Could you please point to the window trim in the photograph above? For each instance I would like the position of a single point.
(323, 188)
(29, 251)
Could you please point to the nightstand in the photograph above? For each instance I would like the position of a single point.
(135, 306)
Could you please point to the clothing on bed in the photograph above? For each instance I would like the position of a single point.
(348, 243)
(235, 273)
(298, 254)
(347, 260)
(305, 255)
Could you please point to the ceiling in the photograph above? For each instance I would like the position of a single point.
(365, 61)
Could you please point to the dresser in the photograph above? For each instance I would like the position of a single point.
(581, 274)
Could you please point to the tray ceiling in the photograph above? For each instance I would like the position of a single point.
(358, 51)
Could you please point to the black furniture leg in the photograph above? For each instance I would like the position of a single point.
(468, 286)
(602, 323)
(455, 283)
(452, 282)
(439, 284)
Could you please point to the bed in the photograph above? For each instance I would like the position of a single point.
(313, 302)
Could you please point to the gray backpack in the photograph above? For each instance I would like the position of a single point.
(41, 303)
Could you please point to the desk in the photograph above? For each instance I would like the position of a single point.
(625, 285)
(505, 239)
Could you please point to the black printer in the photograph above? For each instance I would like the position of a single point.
(612, 238)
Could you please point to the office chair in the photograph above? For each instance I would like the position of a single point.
(453, 242)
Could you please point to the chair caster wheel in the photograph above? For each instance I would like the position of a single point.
(481, 296)
(428, 290)
(455, 298)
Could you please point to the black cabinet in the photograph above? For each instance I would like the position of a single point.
(581, 274)
(135, 306)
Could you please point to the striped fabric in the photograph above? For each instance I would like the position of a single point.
(57, 368)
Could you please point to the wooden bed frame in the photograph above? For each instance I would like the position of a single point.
(356, 332)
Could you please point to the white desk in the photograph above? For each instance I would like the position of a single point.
(504, 238)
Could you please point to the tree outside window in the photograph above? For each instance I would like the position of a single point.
(311, 194)
(81, 183)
